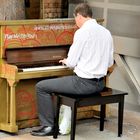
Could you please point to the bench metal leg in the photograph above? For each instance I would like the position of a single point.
(56, 119)
(120, 116)
(102, 117)
(73, 120)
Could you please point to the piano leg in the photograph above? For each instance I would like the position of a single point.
(12, 106)
(11, 124)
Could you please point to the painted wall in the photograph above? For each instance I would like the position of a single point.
(12, 9)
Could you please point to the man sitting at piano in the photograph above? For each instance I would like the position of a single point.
(90, 56)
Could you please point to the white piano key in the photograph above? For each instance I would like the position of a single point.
(44, 68)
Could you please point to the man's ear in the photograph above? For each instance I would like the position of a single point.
(80, 16)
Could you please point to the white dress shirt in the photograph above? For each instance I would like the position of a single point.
(92, 51)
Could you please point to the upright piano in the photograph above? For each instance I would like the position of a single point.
(29, 52)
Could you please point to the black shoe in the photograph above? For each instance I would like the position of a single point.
(44, 131)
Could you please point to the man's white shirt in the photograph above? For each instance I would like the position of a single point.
(92, 51)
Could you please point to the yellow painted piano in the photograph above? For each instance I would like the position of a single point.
(29, 52)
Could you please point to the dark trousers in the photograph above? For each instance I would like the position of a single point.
(66, 85)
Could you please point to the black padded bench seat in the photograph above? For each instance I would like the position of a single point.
(107, 96)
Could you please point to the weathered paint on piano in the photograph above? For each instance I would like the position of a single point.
(18, 34)
(17, 94)
(17, 98)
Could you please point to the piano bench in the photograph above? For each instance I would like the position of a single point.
(107, 96)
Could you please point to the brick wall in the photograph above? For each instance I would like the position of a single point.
(53, 8)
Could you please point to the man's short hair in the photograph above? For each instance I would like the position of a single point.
(83, 9)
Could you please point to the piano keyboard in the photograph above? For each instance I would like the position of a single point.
(44, 68)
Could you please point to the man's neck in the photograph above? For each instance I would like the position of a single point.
(86, 19)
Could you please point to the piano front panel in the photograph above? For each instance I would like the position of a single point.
(26, 108)
(36, 33)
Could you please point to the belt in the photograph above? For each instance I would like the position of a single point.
(97, 79)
